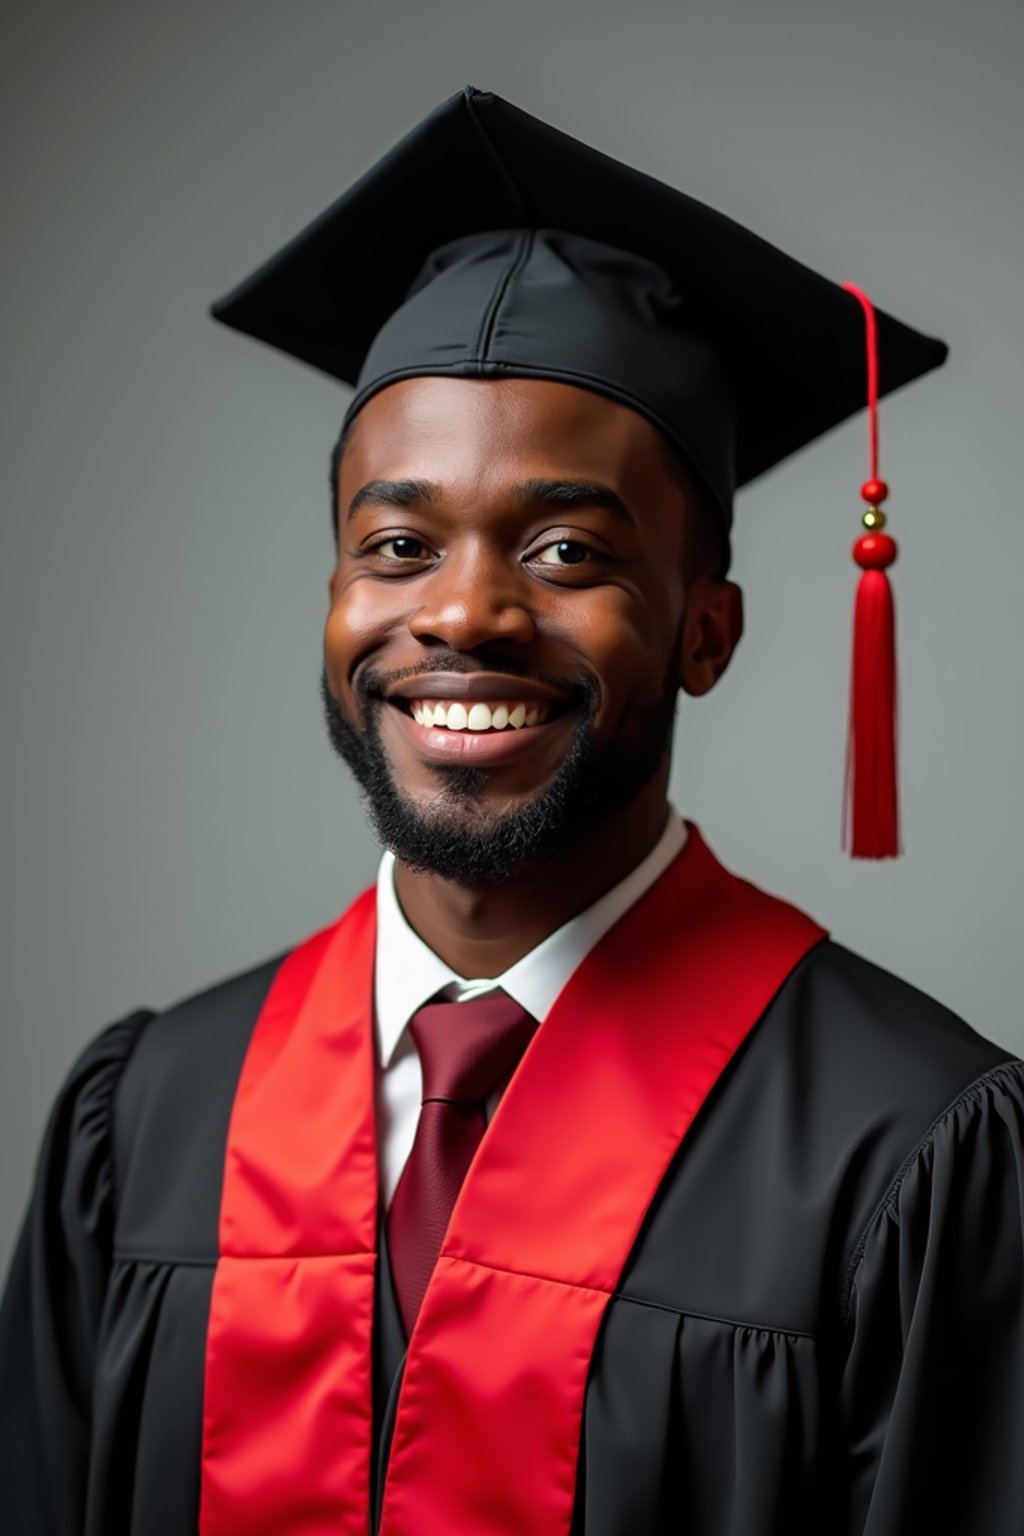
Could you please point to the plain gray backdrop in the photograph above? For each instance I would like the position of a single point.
(171, 811)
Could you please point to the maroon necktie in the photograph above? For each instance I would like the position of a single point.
(465, 1049)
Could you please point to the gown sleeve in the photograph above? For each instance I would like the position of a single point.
(50, 1313)
(932, 1386)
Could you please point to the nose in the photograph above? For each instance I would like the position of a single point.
(470, 600)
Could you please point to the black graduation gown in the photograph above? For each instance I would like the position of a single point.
(819, 1329)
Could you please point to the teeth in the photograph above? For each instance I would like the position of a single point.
(454, 716)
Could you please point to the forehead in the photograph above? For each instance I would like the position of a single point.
(455, 429)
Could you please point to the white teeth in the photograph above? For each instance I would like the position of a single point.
(453, 715)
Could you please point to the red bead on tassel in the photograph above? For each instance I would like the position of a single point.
(871, 811)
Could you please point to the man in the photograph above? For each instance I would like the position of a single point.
(567, 1183)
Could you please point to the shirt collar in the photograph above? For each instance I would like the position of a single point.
(407, 972)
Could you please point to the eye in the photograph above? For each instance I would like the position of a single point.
(565, 552)
(401, 546)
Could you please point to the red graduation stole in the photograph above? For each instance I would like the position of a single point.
(540, 1233)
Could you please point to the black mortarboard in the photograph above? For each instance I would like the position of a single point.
(487, 243)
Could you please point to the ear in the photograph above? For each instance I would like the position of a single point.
(712, 628)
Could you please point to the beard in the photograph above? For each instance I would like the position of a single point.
(457, 837)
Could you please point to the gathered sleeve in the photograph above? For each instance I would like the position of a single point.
(932, 1380)
(52, 1305)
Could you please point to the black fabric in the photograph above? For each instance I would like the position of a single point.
(819, 1329)
(50, 1353)
(171, 1127)
(488, 244)
(389, 1347)
(103, 1322)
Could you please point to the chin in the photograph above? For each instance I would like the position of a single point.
(462, 823)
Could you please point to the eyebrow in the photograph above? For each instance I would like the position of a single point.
(555, 493)
(393, 493)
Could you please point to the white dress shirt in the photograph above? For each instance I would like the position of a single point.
(407, 974)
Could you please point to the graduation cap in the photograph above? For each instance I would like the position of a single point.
(488, 244)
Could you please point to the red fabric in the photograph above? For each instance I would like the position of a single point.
(871, 824)
(466, 1050)
(287, 1415)
(488, 1424)
(489, 1417)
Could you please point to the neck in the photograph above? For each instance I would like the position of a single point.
(482, 930)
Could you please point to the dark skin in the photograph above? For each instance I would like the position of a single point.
(621, 595)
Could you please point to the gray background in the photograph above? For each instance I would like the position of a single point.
(170, 809)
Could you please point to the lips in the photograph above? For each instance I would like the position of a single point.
(481, 716)
(477, 701)
(483, 687)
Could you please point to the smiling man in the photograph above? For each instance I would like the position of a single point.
(567, 1183)
(508, 634)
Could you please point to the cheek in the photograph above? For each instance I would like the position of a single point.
(626, 637)
(356, 625)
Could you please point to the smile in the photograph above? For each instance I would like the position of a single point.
(481, 732)
(482, 717)
(478, 715)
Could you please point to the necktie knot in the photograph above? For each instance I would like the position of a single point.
(466, 1049)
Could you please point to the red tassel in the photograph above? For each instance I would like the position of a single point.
(871, 800)
(871, 826)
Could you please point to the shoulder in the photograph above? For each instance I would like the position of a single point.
(882, 1052)
(895, 1076)
(77, 1143)
(843, 1079)
(171, 1116)
(958, 1192)
(193, 1043)
(96, 1072)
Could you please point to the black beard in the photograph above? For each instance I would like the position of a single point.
(589, 787)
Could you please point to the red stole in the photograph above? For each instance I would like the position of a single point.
(489, 1418)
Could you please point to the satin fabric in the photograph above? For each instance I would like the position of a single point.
(287, 1415)
(542, 1227)
(819, 1328)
